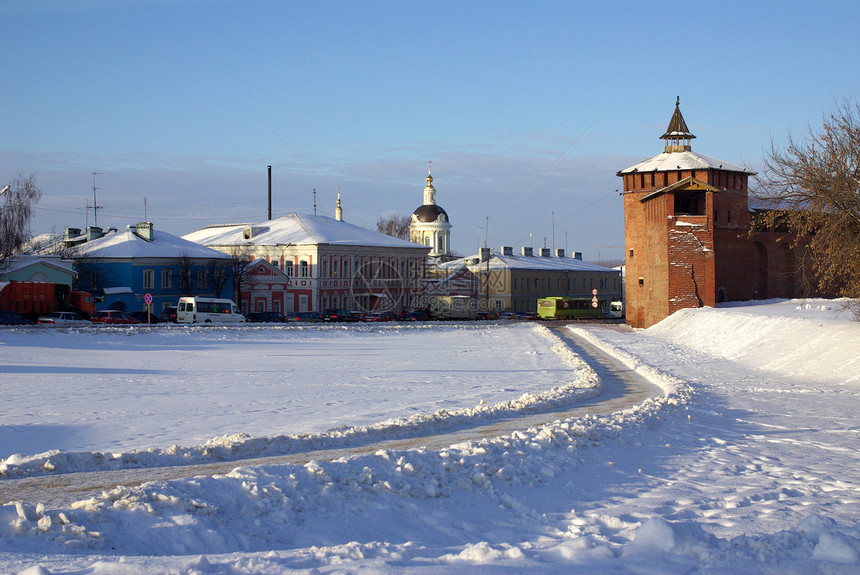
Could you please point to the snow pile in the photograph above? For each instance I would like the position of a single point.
(823, 342)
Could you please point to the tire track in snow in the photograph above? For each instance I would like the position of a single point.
(622, 388)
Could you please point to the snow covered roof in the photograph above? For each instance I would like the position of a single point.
(127, 244)
(297, 229)
(20, 262)
(687, 160)
(547, 263)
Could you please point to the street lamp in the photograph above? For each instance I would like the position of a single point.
(3, 191)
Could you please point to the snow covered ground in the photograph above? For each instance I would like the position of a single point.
(748, 462)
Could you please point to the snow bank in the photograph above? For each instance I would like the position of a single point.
(266, 507)
(812, 340)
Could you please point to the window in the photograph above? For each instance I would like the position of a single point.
(631, 253)
(641, 281)
(303, 269)
(201, 279)
(165, 279)
(288, 268)
(148, 279)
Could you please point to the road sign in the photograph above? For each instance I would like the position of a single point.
(148, 298)
(594, 304)
(594, 291)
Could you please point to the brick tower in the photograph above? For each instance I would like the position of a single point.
(686, 230)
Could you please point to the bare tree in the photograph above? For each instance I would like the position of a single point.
(238, 272)
(812, 188)
(217, 273)
(183, 272)
(396, 225)
(16, 210)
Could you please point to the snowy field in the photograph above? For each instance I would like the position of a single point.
(747, 461)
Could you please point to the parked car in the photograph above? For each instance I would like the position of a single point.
(420, 315)
(265, 317)
(309, 316)
(378, 317)
(62, 318)
(144, 317)
(113, 316)
(339, 315)
(487, 315)
(13, 318)
(169, 314)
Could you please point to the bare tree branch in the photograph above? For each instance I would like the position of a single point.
(812, 188)
(16, 210)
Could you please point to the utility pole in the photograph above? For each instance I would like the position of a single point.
(96, 207)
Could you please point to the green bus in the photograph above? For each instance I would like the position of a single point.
(567, 308)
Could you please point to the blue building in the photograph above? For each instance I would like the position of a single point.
(121, 268)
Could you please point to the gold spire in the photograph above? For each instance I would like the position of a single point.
(429, 177)
(338, 211)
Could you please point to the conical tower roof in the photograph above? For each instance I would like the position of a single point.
(677, 135)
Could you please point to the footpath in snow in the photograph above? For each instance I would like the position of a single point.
(748, 463)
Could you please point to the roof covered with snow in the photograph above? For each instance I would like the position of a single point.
(20, 262)
(546, 263)
(297, 229)
(687, 160)
(127, 244)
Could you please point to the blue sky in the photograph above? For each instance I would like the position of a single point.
(527, 109)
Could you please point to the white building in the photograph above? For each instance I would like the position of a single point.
(430, 225)
(329, 263)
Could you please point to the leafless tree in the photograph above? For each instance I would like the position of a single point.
(812, 189)
(238, 271)
(16, 210)
(183, 270)
(217, 273)
(396, 225)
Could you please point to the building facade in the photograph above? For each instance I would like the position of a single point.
(514, 283)
(688, 235)
(120, 267)
(329, 263)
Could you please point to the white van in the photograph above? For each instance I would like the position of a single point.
(207, 310)
(616, 309)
